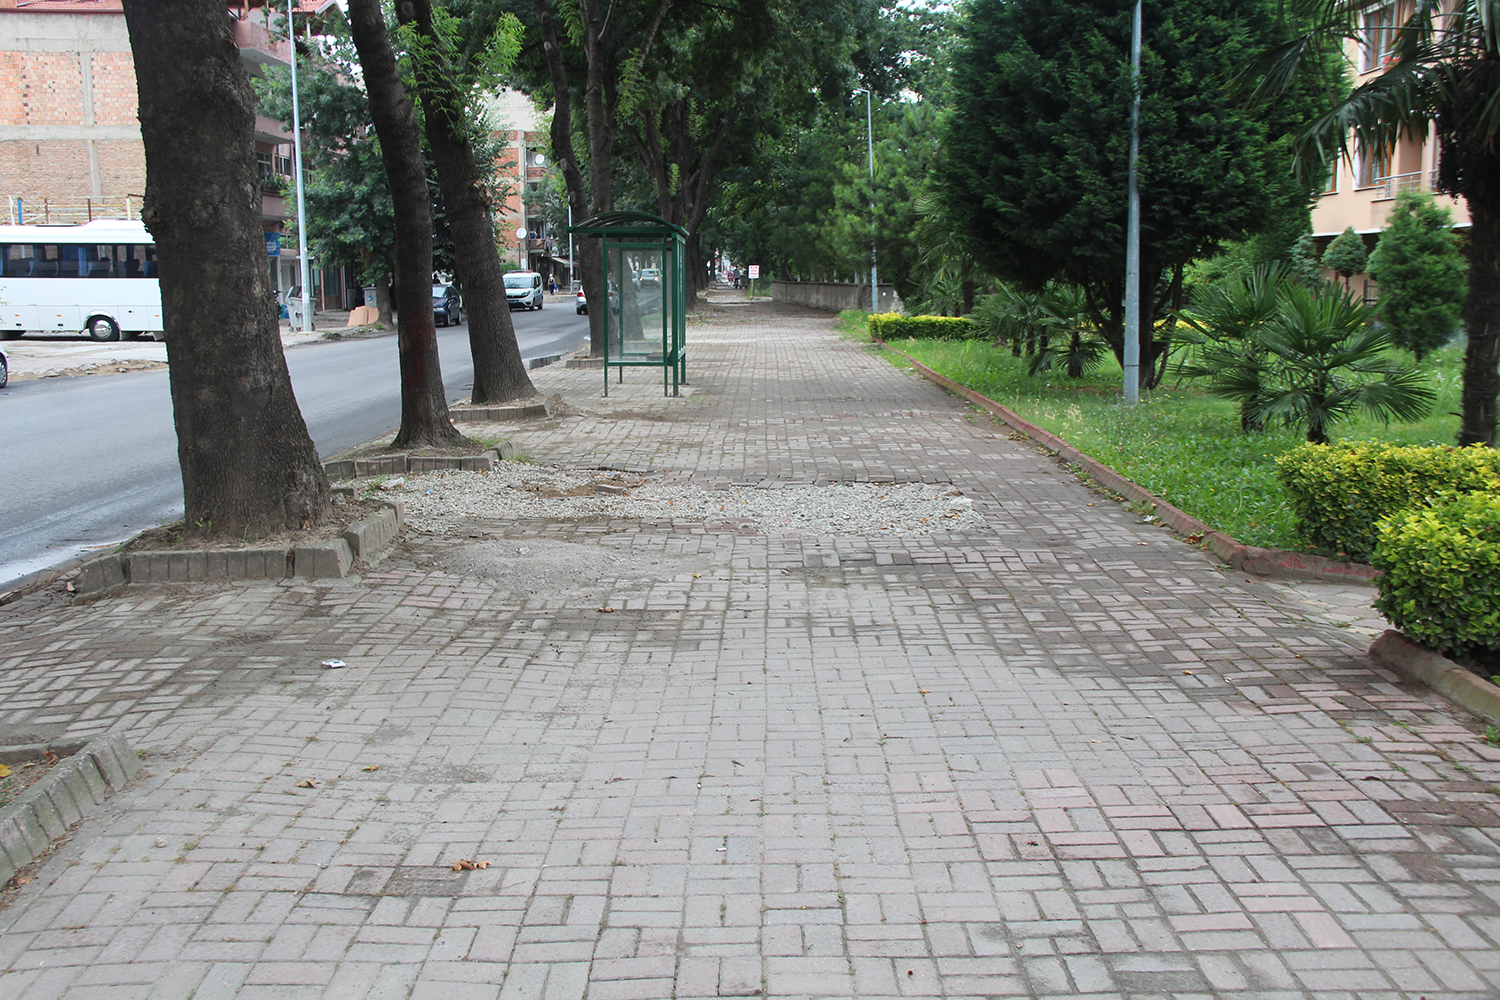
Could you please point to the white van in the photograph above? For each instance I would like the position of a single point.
(523, 289)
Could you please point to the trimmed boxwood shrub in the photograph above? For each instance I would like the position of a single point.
(894, 326)
(1441, 575)
(1340, 492)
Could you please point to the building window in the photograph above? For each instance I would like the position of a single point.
(1331, 182)
(1374, 168)
(1379, 38)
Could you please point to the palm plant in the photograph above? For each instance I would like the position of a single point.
(1443, 73)
(1317, 360)
(1223, 323)
(1064, 311)
(1012, 315)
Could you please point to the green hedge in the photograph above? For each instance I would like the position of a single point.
(1339, 493)
(894, 326)
(1441, 574)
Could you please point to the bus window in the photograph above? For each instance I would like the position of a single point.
(17, 260)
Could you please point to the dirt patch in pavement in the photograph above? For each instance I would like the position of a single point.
(17, 776)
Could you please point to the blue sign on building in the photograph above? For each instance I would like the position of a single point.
(273, 244)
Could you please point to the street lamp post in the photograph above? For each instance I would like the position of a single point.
(870, 139)
(291, 38)
(1133, 226)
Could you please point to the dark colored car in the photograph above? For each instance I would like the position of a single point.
(445, 307)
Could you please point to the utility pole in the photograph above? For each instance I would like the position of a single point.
(870, 138)
(1133, 226)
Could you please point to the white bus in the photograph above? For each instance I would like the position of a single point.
(98, 278)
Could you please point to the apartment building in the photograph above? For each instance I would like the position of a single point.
(523, 167)
(1361, 191)
(70, 139)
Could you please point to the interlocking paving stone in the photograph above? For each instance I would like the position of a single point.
(1059, 753)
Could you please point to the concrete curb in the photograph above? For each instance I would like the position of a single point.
(361, 542)
(497, 414)
(64, 797)
(1274, 563)
(395, 465)
(1464, 688)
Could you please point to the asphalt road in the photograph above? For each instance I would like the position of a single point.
(90, 461)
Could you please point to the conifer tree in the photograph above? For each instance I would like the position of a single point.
(1420, 270)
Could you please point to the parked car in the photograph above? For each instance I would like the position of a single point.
(650, 276)
(523, 289)
(4, 370)
(445, 308)
(583, 303)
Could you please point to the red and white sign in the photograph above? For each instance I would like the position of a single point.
(754, 271)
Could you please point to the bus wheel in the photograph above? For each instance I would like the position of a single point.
(103, 328)
(11, 334)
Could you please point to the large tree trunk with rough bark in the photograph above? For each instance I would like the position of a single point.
(424, 403)
(1482, 325)
(499, 373)
(248, 464)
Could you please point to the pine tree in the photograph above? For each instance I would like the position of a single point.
(1036, 147)
(1420, 270)
(1302, 260)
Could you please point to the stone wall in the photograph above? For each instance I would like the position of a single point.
(833, 296)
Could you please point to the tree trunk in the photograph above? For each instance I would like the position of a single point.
(424, 403)
(499, 373)
(248, 465)
(586, 248)
(1482, 325)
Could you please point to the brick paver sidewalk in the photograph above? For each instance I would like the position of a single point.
(1059, 754)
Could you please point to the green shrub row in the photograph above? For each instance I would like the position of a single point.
(894, 326)
(1440, 582)
(1340, 492)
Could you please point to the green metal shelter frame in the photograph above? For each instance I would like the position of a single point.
(645, 307)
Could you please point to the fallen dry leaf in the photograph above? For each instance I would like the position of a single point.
(371, 767)
(4, 771)
(465, 865)
(924, 691)
(306, 783)
(607, 611)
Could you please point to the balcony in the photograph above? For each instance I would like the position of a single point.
(258, 46)
(1386, 188)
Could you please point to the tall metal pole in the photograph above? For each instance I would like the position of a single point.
(570, 245)
(1133, 226)
(870, 138)
(291, 38)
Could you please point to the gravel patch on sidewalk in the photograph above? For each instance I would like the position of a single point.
(439, 502)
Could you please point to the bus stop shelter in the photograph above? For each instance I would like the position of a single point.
(645, 303)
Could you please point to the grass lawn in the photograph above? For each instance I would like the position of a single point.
(1179, 443)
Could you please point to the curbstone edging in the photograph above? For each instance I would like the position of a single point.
(362, 542)
(498, 414)
(1464, 688)
(66, 796)
(1274, 563)
(392, 465)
